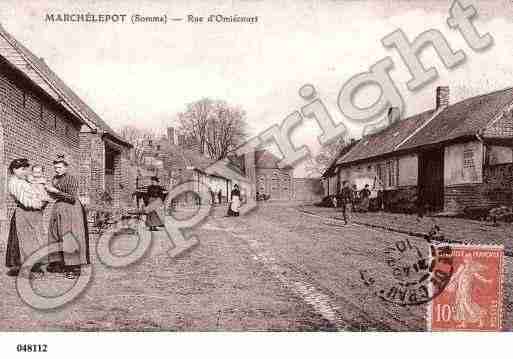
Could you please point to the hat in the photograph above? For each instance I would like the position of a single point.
(18, 163)
(61, 158)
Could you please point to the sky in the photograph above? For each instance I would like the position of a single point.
(143, 74)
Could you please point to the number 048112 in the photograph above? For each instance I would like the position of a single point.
(32, 348)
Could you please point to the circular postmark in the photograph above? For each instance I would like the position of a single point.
(411, 274)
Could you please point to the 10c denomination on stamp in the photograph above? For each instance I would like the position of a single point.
(472, 300)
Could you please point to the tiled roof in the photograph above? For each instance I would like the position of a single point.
(39, 72)
(462, 119)
(386, 140)
(265, 159)
(330, 169)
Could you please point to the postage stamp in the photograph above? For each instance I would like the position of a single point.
(472, 300)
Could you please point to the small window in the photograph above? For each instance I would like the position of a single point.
(468, 157)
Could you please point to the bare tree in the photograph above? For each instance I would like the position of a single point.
(215, 127)
(316, 165)
(193, 122)
(137, 136)
(225, 130)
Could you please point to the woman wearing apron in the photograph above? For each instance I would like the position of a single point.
(26, 221)
(235, 203)
(156, 196)
(68, 223)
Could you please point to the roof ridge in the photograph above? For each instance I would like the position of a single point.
(64, 93)
(16, 44)
(418, 129)
(481, 95)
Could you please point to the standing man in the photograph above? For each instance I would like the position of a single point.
(365, 196)
(346, 200)
(220, 196)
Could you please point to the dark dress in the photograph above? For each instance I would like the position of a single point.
(68, 224)
(156, 196)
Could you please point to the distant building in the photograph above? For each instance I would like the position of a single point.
(175, 164)
(452, 158)
(279, 183)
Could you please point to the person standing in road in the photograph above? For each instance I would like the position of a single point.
(365, 196)
(233, 209)
(346, 200)
(156, 196)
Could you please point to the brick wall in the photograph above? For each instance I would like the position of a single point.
(34, 128)
(274, 182)
(495, 190)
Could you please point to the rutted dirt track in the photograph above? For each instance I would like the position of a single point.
(275, 269)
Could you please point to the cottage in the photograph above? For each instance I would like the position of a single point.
(175, 162)
(453, 158)
(40, 117)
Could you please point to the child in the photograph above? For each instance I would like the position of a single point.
(38, 181)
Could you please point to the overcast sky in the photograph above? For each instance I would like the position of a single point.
(144, 74)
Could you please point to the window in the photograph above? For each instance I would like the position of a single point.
(380, 173)
(468, 157)
(392, 169)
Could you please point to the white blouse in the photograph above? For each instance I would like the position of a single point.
(24, 193)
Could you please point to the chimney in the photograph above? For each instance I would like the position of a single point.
(171, 135)
(442, 97)
(393, 115)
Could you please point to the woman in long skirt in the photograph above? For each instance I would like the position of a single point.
(156, 197)
(68, 223)
(233, 209)
(26, 221)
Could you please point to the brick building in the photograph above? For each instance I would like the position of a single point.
(279, 183)
(453, 158)
(40, 117)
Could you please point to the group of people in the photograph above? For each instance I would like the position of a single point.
(67, 228)
(348, 199)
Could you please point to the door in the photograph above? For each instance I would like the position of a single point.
(275, 186)
(431, 179)
(285, 187)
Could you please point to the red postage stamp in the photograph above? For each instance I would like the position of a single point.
(472, 298)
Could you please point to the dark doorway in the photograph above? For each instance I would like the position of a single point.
(431, 179)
